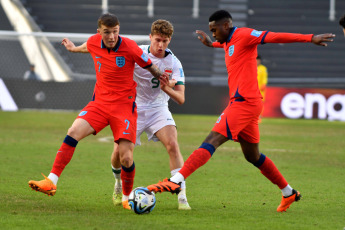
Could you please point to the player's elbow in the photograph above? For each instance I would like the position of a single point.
(181, 101)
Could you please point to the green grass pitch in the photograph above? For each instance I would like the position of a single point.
(226, 193)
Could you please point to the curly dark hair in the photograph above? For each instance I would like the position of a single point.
(342, 21)
(218, 15)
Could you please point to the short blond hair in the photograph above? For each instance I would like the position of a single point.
(162, 27)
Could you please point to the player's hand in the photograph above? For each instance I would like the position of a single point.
(204, 38)
(164, 79)
(68, 44)
(321, 39)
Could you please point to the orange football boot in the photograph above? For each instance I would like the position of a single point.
(125, 205)
(287, 201)
(45, 186)
(165, 186)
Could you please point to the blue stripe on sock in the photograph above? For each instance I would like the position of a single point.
(208, 147)
(260, 161)
(130, 169)
(70, 141)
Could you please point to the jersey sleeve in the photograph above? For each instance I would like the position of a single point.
(89, 43)
(252, 36)
(217, 45)
(178, 73)
(140, 57)
(272, 37)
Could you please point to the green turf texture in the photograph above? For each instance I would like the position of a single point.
(226, 193)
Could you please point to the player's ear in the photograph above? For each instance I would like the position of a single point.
(98, 31)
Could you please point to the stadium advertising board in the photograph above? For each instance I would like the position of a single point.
(307, 103)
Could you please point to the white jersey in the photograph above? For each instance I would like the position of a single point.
(149, 93)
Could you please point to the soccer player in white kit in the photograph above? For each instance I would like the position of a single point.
(154, 117)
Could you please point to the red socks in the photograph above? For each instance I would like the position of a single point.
(127, 177)
(64, 155)
(197, 159)
(270, 171)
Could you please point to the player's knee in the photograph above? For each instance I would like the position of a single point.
(126, 161)
(251, 158)
(73, 132)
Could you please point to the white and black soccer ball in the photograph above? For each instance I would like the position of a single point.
(141, 200)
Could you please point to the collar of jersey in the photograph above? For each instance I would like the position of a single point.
(232, 31)
(115, 48)
(167, 52)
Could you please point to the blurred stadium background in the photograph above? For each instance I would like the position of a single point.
(31, 32)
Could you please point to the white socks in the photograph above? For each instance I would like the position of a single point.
(287, 191)
(177, 177)
(53, 177)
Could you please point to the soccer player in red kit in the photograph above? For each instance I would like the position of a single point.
(239, 120)
(113, 101)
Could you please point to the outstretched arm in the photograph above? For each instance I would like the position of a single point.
(321, 39)
(69, 45)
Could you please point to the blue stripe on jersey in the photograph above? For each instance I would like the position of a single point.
(134, 105)
(232, 31)
(238, 96)
(263, 38)
(70, 141)
(208, 147)
(118, 44)
(260, 161)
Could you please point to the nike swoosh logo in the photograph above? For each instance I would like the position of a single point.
(98, 57)
(126, 133)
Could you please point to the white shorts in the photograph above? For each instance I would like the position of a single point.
(152, 120)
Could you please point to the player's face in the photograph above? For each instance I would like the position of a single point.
(110, 35)
(159, 43)
(220, 30)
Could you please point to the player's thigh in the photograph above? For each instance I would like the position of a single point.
(95, 115)
(157, 119)
(123, 122)
(167, 135)
(251, 132)
(80, 129)
(236, 118)
(142, 124)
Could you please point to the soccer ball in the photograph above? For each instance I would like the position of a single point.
(141, 200)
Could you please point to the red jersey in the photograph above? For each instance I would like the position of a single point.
(240, 58)
(115, 68)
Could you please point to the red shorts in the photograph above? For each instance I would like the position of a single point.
(240, 119)
(122, 118)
